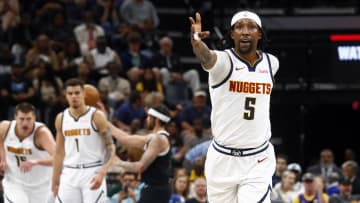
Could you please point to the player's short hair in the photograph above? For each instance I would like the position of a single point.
(24, 107)
(74, 82)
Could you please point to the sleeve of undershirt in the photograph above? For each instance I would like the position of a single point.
(220, 70)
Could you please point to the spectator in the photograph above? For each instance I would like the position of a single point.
(326, 166)
(128, 193)
(134, 61)
(141, 13)
(49, 89)
(100, 56)
(345, 194)
(83, 73)
(128, 111)
(9, 13)
(41, 51)
(114, 89)
(349, 170)
(284, 192)
(171, 68)
(296, 168)
(108, 15)
(87, 32)
(197, 110)
(58, 30)
(313, 190)
(148, 83)
(180, 189)
(281, 166)
(69, 58)
(199, 190)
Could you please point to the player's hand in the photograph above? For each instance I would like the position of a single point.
(97, 181)
(55, 187)
(26, 166)
(196, 27)
(3, 165)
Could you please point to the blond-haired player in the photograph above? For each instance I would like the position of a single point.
(26, 149)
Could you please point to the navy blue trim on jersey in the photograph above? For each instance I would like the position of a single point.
(271, 73)
(59, 199)
(101, 193)
(92, 123)
(240, 152)
(266, 194)
(228, 76)
(7, 198)
(250, 68)
(77, 119)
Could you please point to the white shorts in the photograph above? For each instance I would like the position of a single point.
(75, 186)
(14, 192)
(239, 179)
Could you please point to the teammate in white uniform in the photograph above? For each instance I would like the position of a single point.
(240, 161)
(26, 149)
(84, 150)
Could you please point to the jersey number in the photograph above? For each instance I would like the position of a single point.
(77, 144)
(249, 113)
(20, 159)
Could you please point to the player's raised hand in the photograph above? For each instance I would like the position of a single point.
(196, 28)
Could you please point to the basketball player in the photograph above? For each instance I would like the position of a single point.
(84, 150)
(240, 161)
(154, 164)
(26, 150)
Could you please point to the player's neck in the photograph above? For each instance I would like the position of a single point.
(251, 58)
(22, 134)
(78, 111)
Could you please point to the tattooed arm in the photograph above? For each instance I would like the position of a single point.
(101, 123)
(206, 56)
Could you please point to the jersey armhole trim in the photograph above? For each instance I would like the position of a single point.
(228, 76)
(271, 73)
(92, 122)
(36, 130)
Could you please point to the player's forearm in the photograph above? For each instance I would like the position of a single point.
(203, 53)
(125, 139)
(57, 167)
(130, 166)
(109, 158)
(44, 162)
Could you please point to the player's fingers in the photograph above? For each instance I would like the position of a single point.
(204, 34)
(198, 17)
(192, 21)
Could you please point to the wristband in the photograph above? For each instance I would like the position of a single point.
(196, 36)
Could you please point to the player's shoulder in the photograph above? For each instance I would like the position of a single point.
(273, 60)
(4, 127)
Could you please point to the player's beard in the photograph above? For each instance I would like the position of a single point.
(244, 49)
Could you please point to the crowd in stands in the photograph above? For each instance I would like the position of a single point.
(115, 46)
(323, 181)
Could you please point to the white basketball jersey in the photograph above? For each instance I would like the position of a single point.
(83, 144)
(240, 105)
(18, 151)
